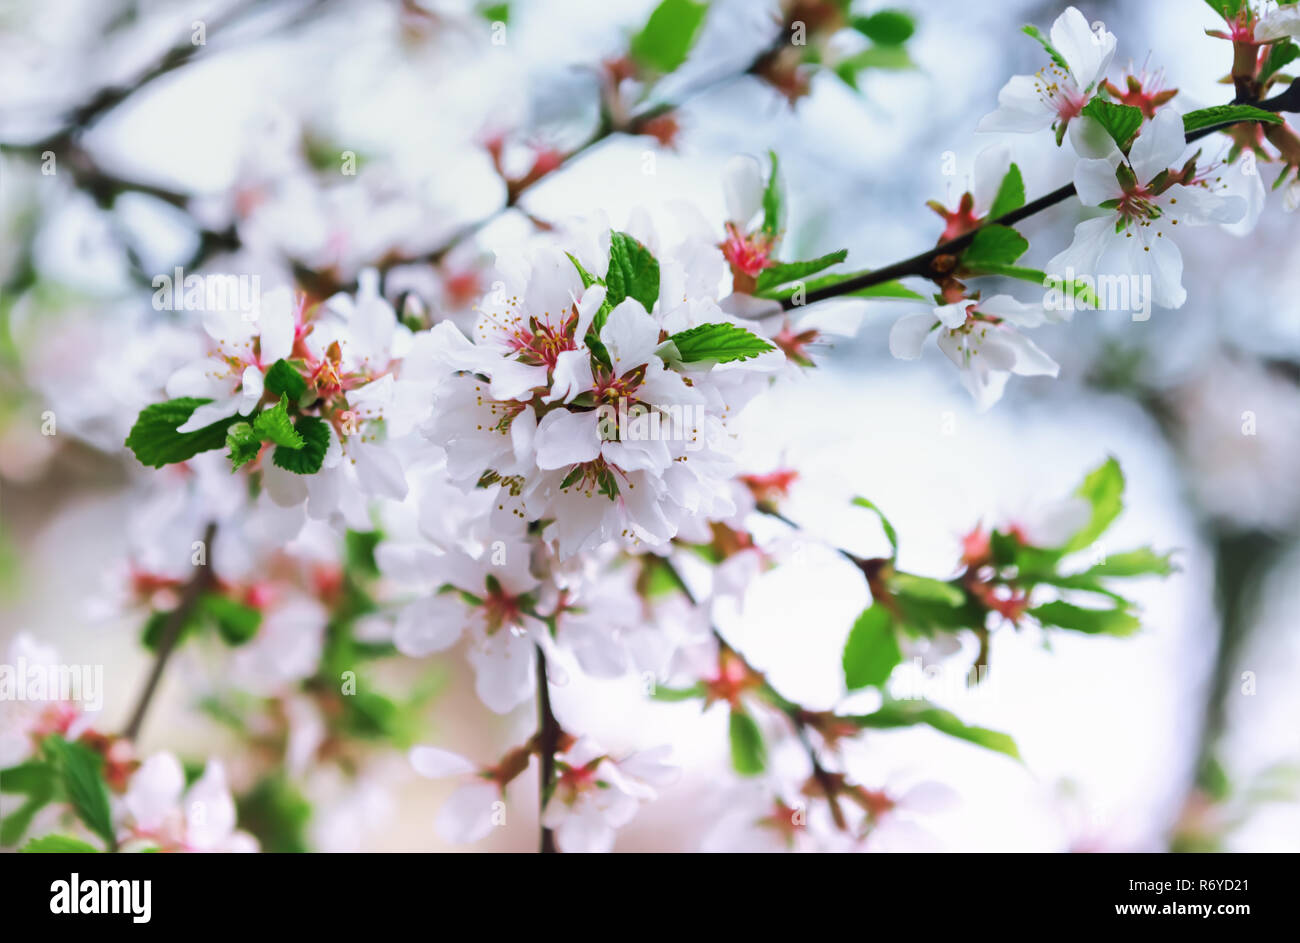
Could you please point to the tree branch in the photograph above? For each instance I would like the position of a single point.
(941, 261)
(793, 712)
(199, 583)
(548, 742)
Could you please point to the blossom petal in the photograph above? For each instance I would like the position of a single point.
(565, 438)
(429, 625)
(1020, 108)
(630, 335)
(742, 187)
(907, 336)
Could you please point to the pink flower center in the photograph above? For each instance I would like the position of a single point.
(1057, 89)
(747, 255)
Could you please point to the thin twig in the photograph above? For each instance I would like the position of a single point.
(548, 742)
(941, 261)
(199, 584)
(792, 711)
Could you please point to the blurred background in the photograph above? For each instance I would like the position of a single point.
(228, 160)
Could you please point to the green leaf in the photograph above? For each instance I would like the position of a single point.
(242, 445)
(37, 780)
(785, 272)
(773, 200)
(587, 278)
(84, 784)
(154, 438)
(15, 824)
(887, 27)
(1103, 488)
(1037, 34)
(1228, 9)
(872, 651)
(1142, 562)
(283, 380)
(273, 425)
(890, 534)
(30, 778)
(925, 589)
(1077, 287)
(1120, 121)
(1011, 194)
(994, 245)
(277, 814)
(58, 844)
(909, 713)
(633, 273)
(748, 751)
(236, 622)
(1224, 114)
(1119, 622)
(672, 695)
(889, 58)
(360, 551)
(1279, 56)
(306, 460)
(714, 343)
(495, 12)
(666, 39)
(883, 290)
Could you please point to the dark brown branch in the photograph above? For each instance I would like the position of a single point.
(941, 261)
(199, 583)
(548, 742)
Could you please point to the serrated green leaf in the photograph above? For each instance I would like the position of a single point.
(1225, 114)
(748, 751)
(909, 713)
(719, 342)
(633, 273)
(871, 652)
(1066, 615)
(307, 459)
(154, 438)
(284, 380)
(887, 27)
(1011, 194)
(994, 245)
(666, 39)
(273, 425)
(242, 445)
(58, 844)
(785, 272)
(1119, 121)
